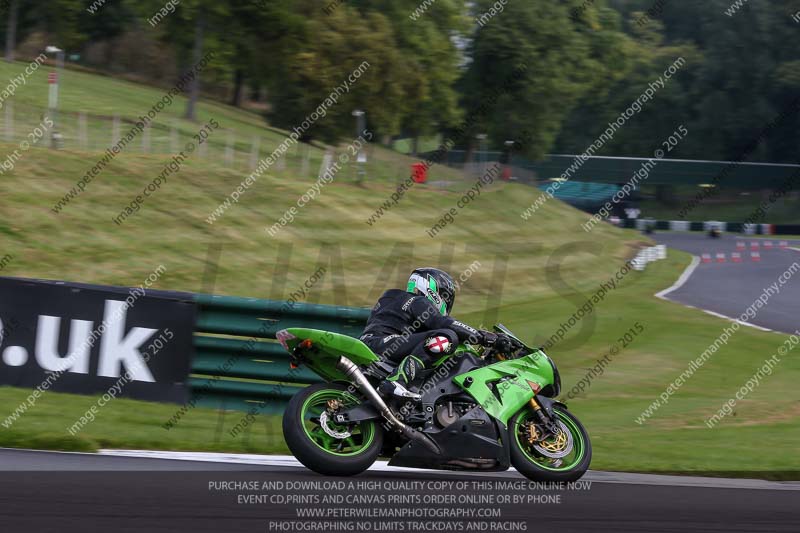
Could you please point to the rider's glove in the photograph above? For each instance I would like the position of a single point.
(499, 341)
(503, 344)
(487, 338)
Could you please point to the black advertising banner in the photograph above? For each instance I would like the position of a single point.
(90, 339)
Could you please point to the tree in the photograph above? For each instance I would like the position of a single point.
(428, 45)
(197, 55)
(11, 30)
(321, 54)
(741, 74)
(745, 82)
(646, 59)
(60, 19)
(194, 28)
(558, 59)
(258, 32)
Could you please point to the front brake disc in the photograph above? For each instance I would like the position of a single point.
(558, 446)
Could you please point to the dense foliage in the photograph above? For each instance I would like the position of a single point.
(443, 65)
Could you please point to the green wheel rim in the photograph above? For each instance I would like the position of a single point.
(362, 434)
(570, 461)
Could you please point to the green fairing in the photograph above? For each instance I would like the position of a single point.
(503, 389)
(514, 392)
(326, 348)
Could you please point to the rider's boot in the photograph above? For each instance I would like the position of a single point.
(397, 383)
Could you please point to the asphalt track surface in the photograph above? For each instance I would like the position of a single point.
(60, 492)
(729, 288)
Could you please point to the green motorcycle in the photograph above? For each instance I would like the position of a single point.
(478, 410)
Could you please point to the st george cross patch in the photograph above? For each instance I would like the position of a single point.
(438, 344)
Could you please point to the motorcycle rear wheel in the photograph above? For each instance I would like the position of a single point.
(316, 448)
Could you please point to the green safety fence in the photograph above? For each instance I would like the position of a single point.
(618, 170)
(239, 365)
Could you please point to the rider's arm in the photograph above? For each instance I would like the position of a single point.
(424, 312)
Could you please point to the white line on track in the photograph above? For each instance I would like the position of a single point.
(381, 466)
(740, 322)
(685, 277)
(681, 280)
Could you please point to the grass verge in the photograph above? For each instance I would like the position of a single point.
(532, 275)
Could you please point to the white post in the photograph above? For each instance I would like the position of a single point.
(327, 159)
(52, 104)
(52, 94)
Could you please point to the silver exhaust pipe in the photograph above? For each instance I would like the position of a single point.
(354, 374)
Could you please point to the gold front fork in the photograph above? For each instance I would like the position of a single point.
(534, 404)
(533, 433)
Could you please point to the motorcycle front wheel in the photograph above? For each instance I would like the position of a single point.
(562, 457)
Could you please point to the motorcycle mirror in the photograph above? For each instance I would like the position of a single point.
(500, 328)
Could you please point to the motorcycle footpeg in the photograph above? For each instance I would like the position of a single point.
(410, 395)
(394, 389)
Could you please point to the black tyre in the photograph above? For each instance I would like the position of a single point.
(563, 458)
(326, 452)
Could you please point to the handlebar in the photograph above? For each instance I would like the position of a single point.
(490, 351)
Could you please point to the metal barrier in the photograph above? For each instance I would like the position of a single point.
(239, 365)
(730, 227)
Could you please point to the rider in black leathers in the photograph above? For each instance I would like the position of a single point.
(412, 327)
